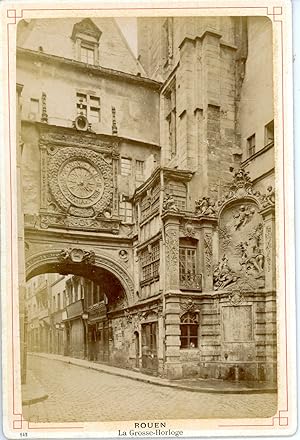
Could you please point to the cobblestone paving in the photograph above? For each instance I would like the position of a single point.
(79, 394)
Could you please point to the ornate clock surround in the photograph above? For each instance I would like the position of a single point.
(78, 177)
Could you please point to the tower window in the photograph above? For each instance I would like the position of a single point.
(251, 145)
(269, 133)
(139, 169)
(125, 166)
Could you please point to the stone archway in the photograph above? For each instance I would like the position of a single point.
(79, 262)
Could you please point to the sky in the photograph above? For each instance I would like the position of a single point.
(128, 26)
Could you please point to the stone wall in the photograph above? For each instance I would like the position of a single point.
(237, 341)
(134, 103)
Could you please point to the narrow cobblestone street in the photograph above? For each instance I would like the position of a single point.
(79, 394)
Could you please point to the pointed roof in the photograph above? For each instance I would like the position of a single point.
(88, 27)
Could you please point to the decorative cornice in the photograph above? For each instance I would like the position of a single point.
(168, 173)
(207, 32)
(96, 70)
(101, 136)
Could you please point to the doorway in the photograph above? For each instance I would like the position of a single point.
(149, 347)
(137, 349)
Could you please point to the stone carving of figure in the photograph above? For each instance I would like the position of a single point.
(64, 254)
(269, 198)
(169, 203)
(223, 275)
(254, 262)
(243, 216)
(241, 177)
(205, 207)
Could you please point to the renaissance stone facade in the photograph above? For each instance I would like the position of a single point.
(155, 183)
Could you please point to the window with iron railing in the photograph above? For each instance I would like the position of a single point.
(188, 276)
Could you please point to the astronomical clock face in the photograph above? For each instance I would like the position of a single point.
(80, 180)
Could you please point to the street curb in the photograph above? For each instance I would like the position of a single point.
(35, 400)
(169, 384)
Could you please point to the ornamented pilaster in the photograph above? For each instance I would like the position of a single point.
(208, 252)
(172, 253)
(269, 247)
(44, 178)
(206, 249)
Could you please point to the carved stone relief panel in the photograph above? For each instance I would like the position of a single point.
(268, 238)
(240, 246)
(172, 254)
(208, 252)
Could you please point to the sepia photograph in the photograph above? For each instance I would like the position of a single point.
(148, 215)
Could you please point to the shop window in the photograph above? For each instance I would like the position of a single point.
(150, 262)
(251, 145)
(189, 323)
(126, 166)
(139, 169)
(269, 133)
(88, 106)
(125, 211)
